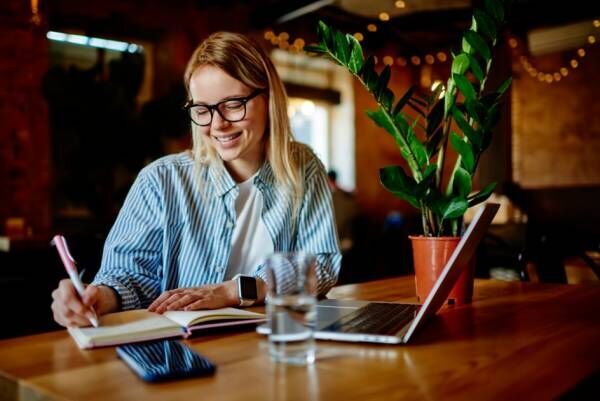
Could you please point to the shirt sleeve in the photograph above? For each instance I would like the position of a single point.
(131, 262)
(317, 232)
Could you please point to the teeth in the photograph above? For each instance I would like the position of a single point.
(227, 138)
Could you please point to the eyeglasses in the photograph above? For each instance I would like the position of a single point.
(232, 110)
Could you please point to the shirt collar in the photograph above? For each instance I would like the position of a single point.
(265, 175)
(220, 177)
(224, 182)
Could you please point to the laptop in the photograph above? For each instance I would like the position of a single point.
(395, 323)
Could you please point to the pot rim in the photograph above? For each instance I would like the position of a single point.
(424, 238)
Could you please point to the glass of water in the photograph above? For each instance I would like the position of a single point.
(291, 307)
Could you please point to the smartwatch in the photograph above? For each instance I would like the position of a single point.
(247, 289)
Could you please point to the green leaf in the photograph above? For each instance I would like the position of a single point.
(428, 178)
(342, 48)
(492, 116)
(318, 49)
(495, 9)
(369, 75)
(449, 97)
(434, 118)
(398, 128)
(433, 142)
(478, 43)
(387, 100)
(504, 86)
(462, 182)
(464, 150)
(417, 148)
(460, 64)
(485, 24)
(476, 68)
(476, 110)
(382, 82)
(482, 195)
(466, 47)
(404, 99)
(455, 208)
(395, 180)
(464, 86)
(356, 55)
(466, 128)
(325, 36)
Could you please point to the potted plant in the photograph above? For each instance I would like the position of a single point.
(459, 117)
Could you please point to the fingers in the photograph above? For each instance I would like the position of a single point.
(206, 297)
(90, 295)
(162, 298)
(178, 300)
(67, 308)
(199, 304)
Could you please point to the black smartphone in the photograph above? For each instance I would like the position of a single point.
(164, 360)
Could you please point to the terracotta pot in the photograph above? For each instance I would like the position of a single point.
(430, 255)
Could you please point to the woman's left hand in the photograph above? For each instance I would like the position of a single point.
(206, 297)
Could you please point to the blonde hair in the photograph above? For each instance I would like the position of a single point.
(243, 59)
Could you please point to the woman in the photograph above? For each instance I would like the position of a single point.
(192, 222)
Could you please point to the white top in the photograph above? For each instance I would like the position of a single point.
(251, 242)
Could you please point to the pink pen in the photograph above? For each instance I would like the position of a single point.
(63, 250)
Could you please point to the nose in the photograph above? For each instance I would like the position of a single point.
(218, 122)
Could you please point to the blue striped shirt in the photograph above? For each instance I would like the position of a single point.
(170, 233)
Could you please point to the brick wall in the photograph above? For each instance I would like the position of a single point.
(24, 138)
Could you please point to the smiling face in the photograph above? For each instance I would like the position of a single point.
(239, 144)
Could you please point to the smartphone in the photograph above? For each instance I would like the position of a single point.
(164, 360)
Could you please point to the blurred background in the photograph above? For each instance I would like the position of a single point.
(90, 92)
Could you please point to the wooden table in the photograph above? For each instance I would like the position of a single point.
(516, 341)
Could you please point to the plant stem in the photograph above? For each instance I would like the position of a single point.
(439, 173)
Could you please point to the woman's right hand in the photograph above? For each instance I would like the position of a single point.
(72, 311)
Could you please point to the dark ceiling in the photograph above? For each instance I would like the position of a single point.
(439, 27)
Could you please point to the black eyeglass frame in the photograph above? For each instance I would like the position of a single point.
(212, 107)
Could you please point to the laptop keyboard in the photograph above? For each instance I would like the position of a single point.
(375, 318)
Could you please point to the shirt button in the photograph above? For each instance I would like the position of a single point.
(229, 225)
(220, 269)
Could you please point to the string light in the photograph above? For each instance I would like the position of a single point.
(284, 42)
(563, 71)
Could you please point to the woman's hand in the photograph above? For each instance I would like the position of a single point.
(206, 297)
(71, 311)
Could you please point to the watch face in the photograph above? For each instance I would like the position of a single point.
(248, 288)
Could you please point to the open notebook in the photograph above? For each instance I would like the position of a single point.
(142, 325)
